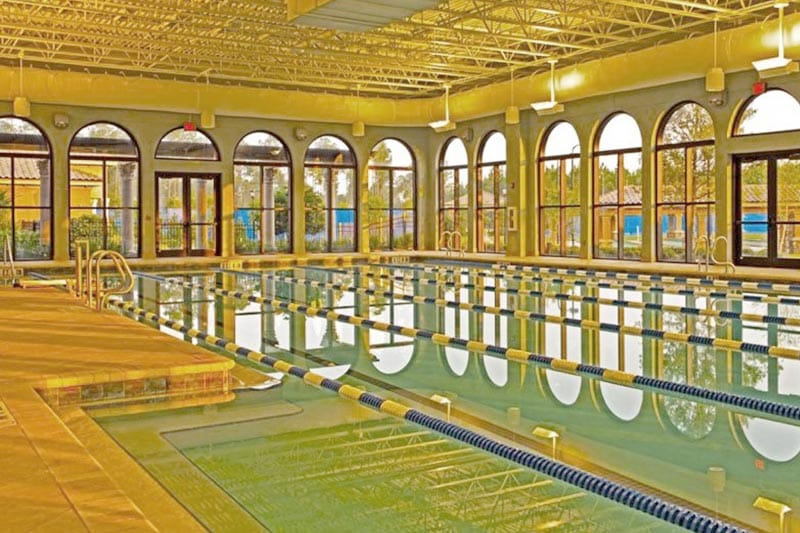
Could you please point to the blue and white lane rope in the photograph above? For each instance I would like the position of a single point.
(659, 334)
(725, 399)
(632, 498)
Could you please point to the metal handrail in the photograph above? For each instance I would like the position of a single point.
(445, 241)
(727, 264)
(81, 255)
(701, 239)
(460, 248)
(89, 285)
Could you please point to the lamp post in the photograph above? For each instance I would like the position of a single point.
(545, 433)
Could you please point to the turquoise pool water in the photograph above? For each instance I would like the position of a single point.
(712, 456)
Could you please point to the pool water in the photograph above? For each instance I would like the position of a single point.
(346, 465)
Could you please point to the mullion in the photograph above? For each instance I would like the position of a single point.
(772, 208)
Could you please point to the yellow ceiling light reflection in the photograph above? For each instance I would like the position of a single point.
(570, 80)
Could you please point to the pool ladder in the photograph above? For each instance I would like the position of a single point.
(89, 285)
(449, 240)
(710, 254)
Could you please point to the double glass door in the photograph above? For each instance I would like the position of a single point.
(188, 214)
(768, 209)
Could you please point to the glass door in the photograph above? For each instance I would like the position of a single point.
(768, 209)
(188, 213)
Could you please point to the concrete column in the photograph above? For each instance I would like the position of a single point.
(529, 217)
(147, 205)
(472, 202)
(723, 192)
(586, 189)
(361, 231)
(60, 176)
(427, 191)
(517, 193)
(227, 205)
(649, 223)
(128, 178)
(298, 205)
(268, 202)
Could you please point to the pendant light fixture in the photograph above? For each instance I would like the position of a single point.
(715, 77)
(779, 65)
(22, 106)
(358, 126)
(512, 111)
(549, 107)
(441, 126)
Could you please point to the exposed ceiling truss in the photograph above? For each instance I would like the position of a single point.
(466, 43)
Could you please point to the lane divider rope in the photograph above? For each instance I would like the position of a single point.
(726, 399)
(659, 334)
(616, 492)
(527, 278)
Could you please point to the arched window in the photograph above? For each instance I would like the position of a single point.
(262, 188)
(491, 193)
(392, 186)
(104, 189)
(772, 111)
(559, 192)
(453, 183)
(685, 182)
(183, 144)
(618, 189)
(26, 190)
(330, 196)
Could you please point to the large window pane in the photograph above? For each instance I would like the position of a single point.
(330, 196)
(25, 190)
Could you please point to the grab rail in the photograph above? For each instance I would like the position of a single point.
(88, 281)
(711, 253)
(724, 239)
(452, 241)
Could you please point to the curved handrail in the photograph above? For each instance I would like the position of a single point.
(96, 294)
(460, 247)
(445, 241)
(727, 264)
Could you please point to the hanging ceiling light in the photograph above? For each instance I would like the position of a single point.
(778, 65)
(441, 126)
(512, 111)
(22, 106)
(549, 107)
(715, 77)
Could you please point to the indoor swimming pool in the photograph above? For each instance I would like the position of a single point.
(683, 390)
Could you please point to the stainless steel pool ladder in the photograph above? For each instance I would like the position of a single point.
(88, 281)
(452, 241)
(8, 270)
(711, 253)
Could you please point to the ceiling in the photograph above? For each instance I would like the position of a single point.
(465, 43)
